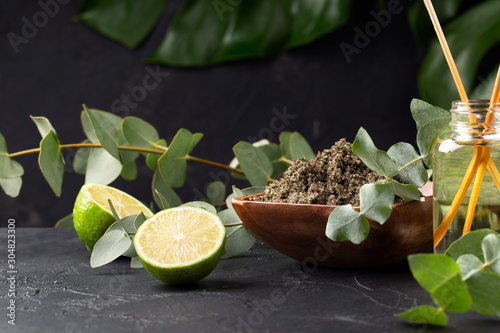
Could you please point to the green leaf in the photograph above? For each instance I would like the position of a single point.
(152, 159)
(238, 241)
(139, 133)
(273, 152)
(135, 262)
(125, 21)
(51, 162)
(294, 146)
(229, 216)
(43, 124)
(257, 166)
(126, 225)
(9, 168)
(484, 287)
(375, 159)
(346, 223)
(201, 204)
(220, 31)
(129, 171)
(312, 19)
(405, 156)
(104, 131)
(430, 270)
(80, 160)
(485, 87)
(172, 164)
(468, 263)
(469, 243)
(11, 186)
(194, 141)
(408, 192)
(452, 295)
(376, 201)
(65, 222)
(470, 37)
(491, 249)
(167, 198)
(423, 112)
(139, 220)
(109, 247)
(102, 168)
(299, 147)
(216, 193)
(425, 315)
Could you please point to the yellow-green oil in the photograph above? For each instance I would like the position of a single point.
(451, 160)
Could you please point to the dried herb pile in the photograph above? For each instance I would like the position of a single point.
(333, 177)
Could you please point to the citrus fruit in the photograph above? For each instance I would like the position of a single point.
(180, 245)
(92, 215)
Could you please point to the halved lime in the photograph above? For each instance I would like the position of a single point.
(92, 215)
(180, 245)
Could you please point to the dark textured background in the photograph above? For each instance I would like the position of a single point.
(67, 64)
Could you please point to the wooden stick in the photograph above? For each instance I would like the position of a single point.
(485, 157)
(446, 50)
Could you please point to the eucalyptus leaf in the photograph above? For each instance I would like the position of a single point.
(257, 166)
(452, 294)
(376, 201)
(9, 168)
(126, 21)
(109, 247)
(375, 159)
(469, 243)
(238, 241)
(470, 37)
(172, 164)
(43, 124)
(129, 171)
(285, 139)
(51, 161)
(135, 262)
(425, 314)
(200, 204)
(346, 223)
(408, 192)
(273, 152)
(491, 250)
(105, 132)
(427, 136)
(299, 147)
(484, 287)
(11, 186)
(139, 220)
(102, 167)
(430, 270)
(468, 263)
(228, 216)
(65, 222)
(80, 160)
(164, 195)
(216, 193)
(423, 112)
(139, 133)
(152, 159)
(194, 141)
(126, 225)
(414, 171)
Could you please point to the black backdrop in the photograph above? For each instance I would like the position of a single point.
(67, 64)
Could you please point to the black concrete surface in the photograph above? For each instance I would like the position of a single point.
(261, 291)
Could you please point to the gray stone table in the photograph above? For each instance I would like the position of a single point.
(261, 291)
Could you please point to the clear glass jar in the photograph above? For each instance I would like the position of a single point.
(474, 134)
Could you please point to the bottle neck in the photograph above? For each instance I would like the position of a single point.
(475, 121)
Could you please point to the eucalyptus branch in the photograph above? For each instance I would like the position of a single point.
(131, 148)
(420, 158)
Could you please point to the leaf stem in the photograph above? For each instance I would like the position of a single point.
(233, 224)
(130, 148)
(420, 158)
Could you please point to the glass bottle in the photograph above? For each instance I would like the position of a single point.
(475, 127)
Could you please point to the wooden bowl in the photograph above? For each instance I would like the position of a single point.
(298, 231)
